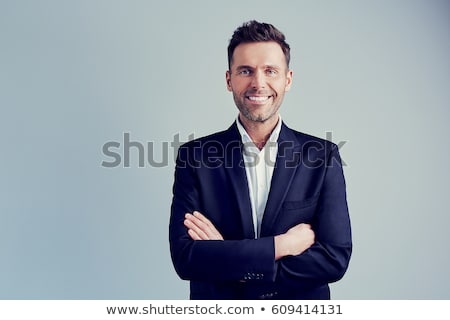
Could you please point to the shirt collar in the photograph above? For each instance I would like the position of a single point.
(246, 137)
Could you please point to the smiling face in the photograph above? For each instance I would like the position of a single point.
(258, 78)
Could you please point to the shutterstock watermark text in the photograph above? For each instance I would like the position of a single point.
(133, 153)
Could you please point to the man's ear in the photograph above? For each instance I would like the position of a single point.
(228, 80)
(288, 80)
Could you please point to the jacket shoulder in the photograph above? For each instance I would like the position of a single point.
(305, 140)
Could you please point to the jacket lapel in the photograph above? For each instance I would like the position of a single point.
(288, 159)
(235, 169)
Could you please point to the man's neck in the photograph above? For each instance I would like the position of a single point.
(259, 132)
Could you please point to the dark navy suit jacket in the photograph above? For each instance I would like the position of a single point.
(307, 187)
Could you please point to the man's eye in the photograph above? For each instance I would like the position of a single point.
(271, 72)
(244, 72)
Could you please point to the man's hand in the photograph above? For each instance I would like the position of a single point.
(295, 241)
(200, 228)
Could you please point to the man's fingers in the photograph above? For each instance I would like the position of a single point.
(193, 235)
(203, 219)
(301, 226)
(202, 222)
(202, 226)
(210, 228)
(199, 233)
(199, 224)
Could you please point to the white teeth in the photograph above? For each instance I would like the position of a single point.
(258, 98)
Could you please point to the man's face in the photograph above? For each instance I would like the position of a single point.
(258, 78)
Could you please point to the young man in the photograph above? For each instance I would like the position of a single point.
(259, 211)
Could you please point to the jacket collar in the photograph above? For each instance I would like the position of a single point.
(285, 167)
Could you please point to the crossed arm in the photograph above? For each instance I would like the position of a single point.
(294, 242)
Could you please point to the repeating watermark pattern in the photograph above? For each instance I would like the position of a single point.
(213, 154)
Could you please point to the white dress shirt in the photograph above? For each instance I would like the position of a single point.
(259, 166)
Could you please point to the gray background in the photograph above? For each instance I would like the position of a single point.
(77, 74)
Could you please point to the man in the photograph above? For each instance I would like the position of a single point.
(259, 211)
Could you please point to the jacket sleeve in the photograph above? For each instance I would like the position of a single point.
(211, 260)
(327, 259)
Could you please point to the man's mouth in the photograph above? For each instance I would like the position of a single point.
(258, 99)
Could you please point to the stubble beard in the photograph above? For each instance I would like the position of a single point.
(260, 117)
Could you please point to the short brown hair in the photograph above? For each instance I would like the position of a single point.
(254, 31)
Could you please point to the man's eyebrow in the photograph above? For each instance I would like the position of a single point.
(267, 66)
(244, 67)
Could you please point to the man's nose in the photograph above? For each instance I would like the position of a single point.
(258, 80)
